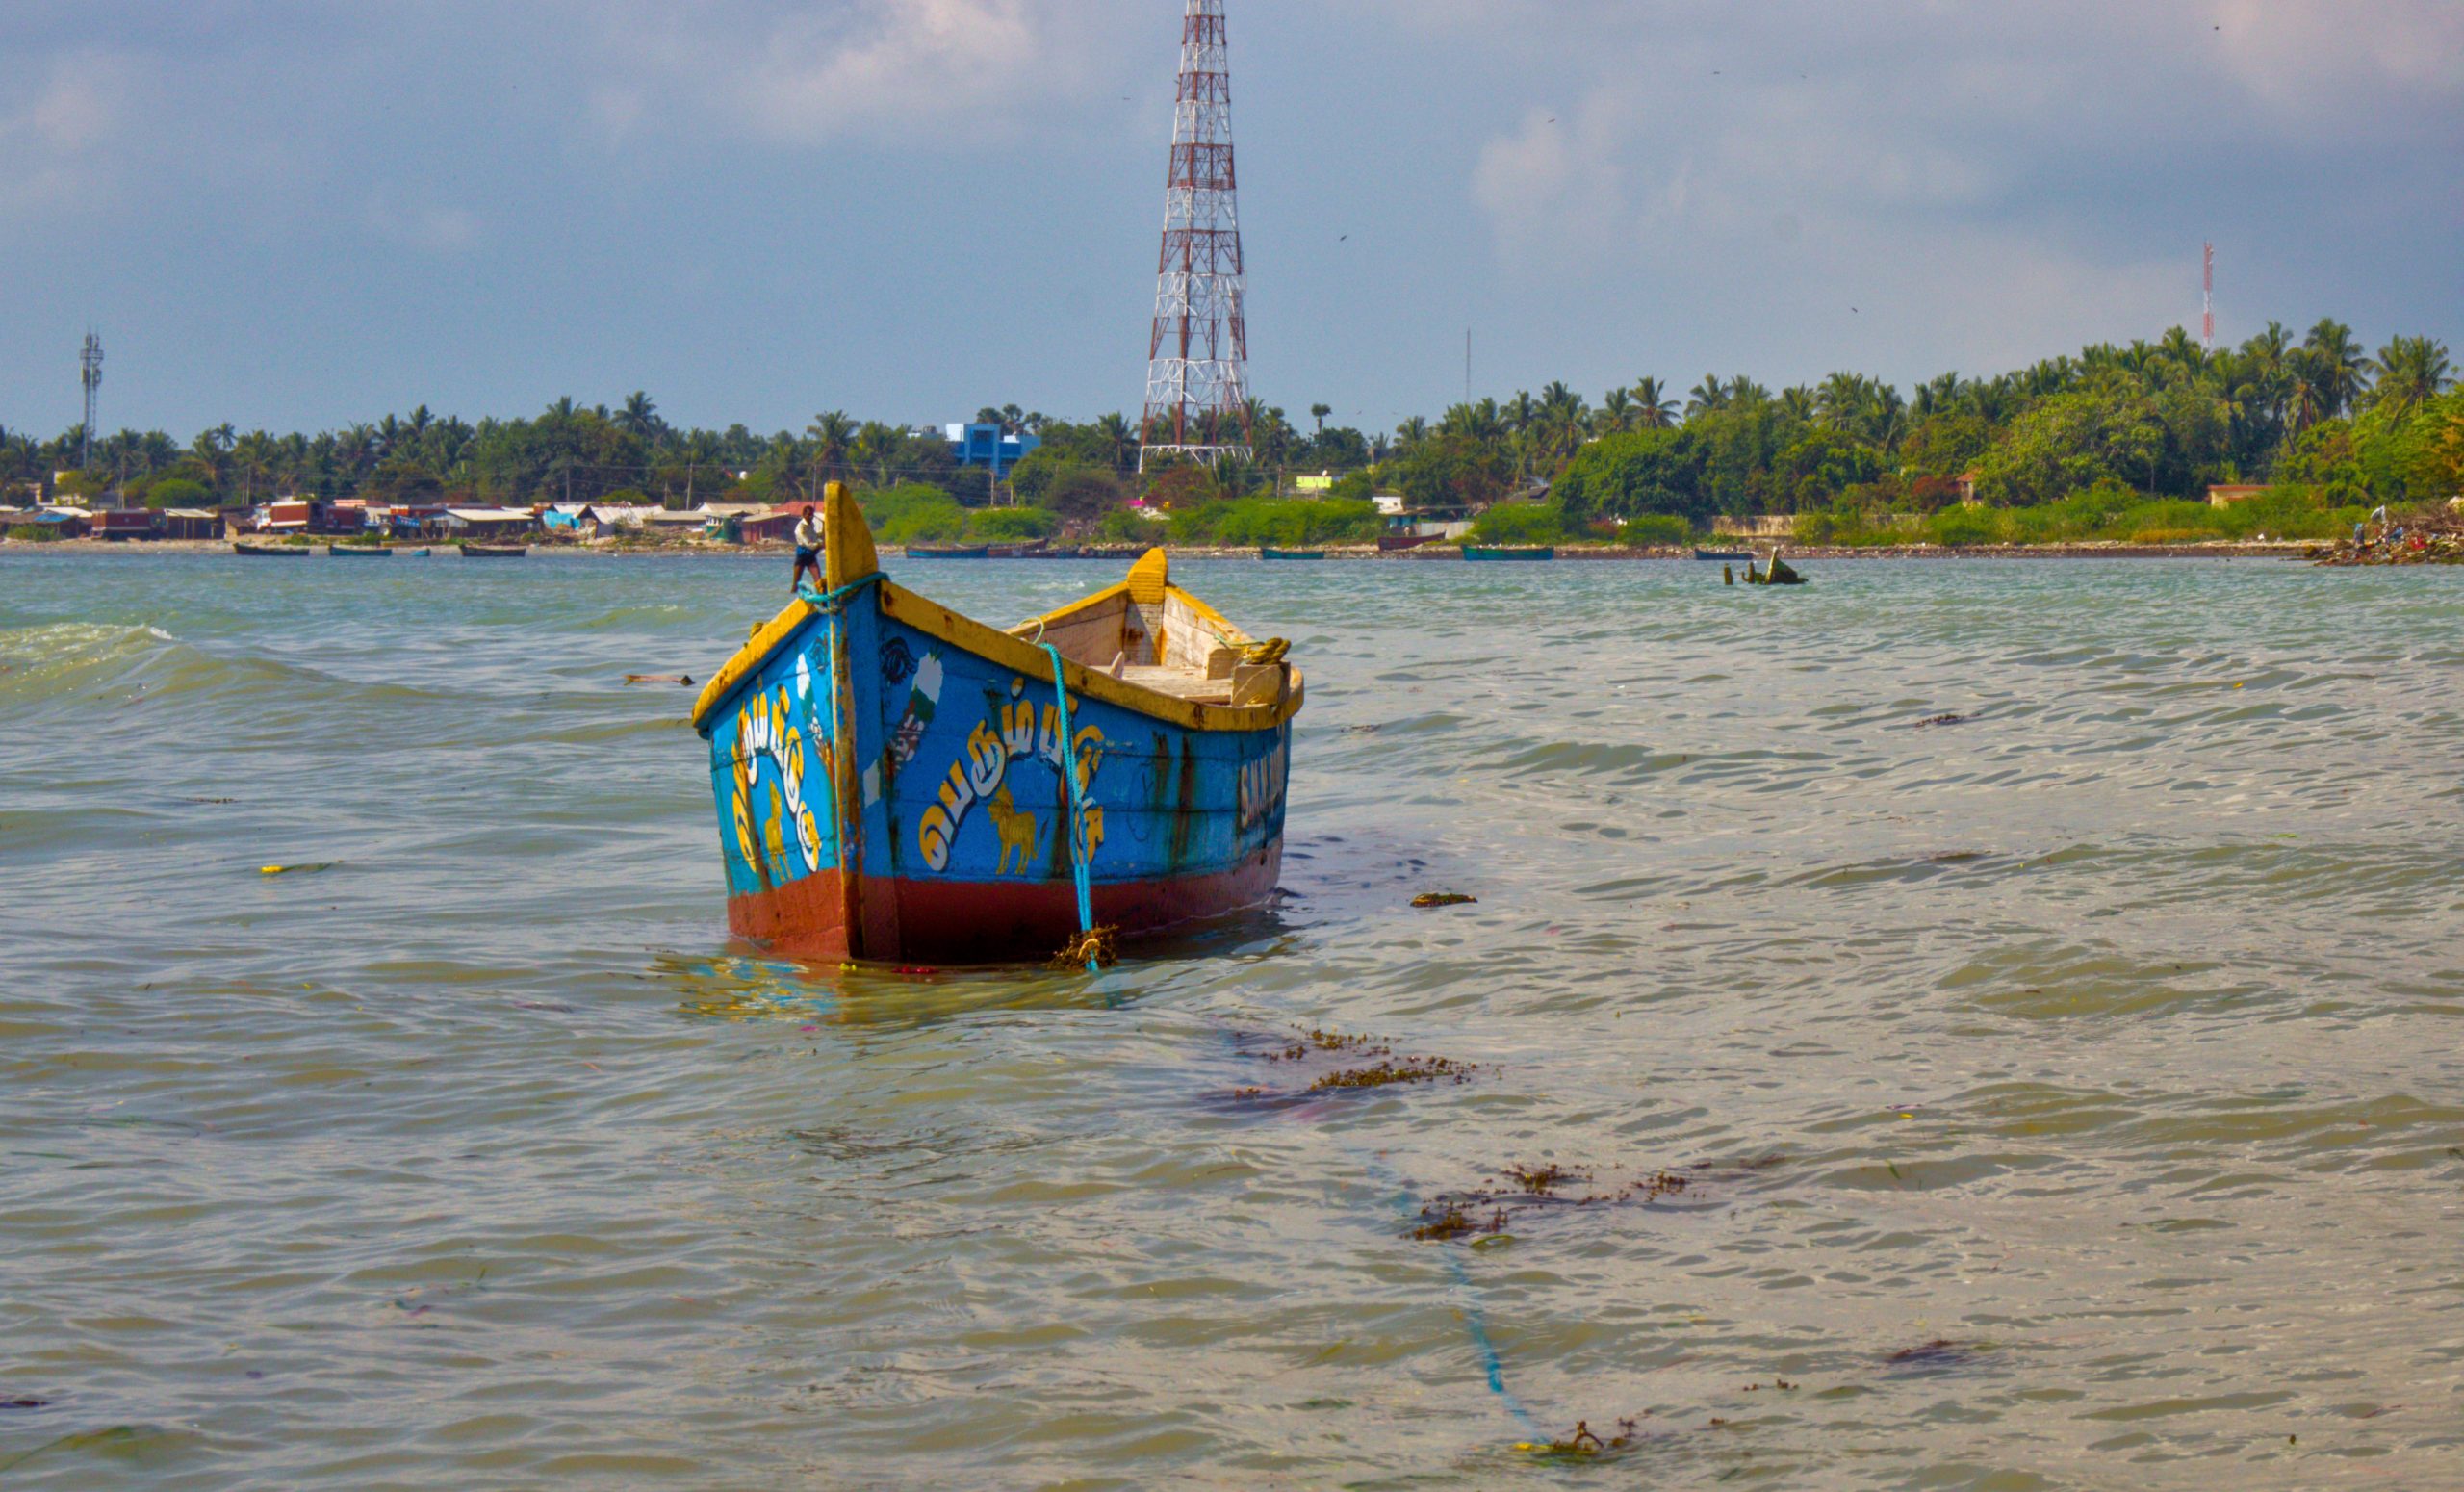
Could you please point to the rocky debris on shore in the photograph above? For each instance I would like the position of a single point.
(2434, 541)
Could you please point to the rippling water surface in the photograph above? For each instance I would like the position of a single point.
(2067, 1094)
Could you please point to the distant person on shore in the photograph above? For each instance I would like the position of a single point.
(808, 550)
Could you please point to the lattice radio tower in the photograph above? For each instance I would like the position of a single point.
(90, 372)
(2207, 302)
(1197, 379)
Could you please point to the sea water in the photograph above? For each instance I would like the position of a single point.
(2034, 984)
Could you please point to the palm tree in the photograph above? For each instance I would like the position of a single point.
(1616, 411)
(1121, 442)
(2408, 372)
(639, 418)
(1654, 409)
(1707, 396)
(2331, 365)
(1319, 413)
(1410, 432)
(830, 431)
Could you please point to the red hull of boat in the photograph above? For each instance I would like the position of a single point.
(984, 921)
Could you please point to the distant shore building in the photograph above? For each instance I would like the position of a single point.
(982, 446)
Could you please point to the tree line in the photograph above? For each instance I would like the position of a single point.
(2161, 419)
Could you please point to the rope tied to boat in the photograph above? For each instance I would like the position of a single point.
(834, 602)
(1093, 943)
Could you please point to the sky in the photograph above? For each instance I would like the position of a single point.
(295, 216)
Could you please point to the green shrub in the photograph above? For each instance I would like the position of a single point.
(178, 492)
(1010, 525)
(35, 533)
(1959, 526)
(912, 513)
(1244, 521)
(1521, 523)
(1656, 529)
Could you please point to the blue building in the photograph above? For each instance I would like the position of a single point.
(984, 444)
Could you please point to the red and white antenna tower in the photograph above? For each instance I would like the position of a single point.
(2207, 302)
(1197, 377)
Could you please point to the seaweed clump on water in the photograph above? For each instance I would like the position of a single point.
(1444, 899)
(1539, 1180)
(1584, 1443)
(1533, 1187)
(1447, 1221)
(1394, 1070)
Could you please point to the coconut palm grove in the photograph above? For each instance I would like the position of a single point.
(2114, 442)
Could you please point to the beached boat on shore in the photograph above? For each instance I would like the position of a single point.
(893, 780)
(1269, 552)
(266, 550)
(1731, 555)
(1507, 551)
(358, 551)
(495, 551)
(949, 552)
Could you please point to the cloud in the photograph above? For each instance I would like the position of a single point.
(55, 149)
(935, 71)
(429, 226)
(2313, 56)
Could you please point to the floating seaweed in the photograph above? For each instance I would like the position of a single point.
(1940, 720)
(1584, 1443)
(1443, 899)
(1532, 1187)
(1444, 1222)
(1094, 946)
(1406, 1070)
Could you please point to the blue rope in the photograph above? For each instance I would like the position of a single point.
(1069, 777)
(1476, 1320)
(833, 602)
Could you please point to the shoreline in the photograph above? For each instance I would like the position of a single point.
(1431, 555)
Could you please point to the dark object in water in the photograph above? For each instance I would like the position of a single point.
(683, 679)
(1449, 1222)
(25, 1404)
(267, 550)
(1443, 899)
(1092, 946)
(1584, 1443)
(1723, 553)
(360, 551)
(1269, 552)
(949, 552)
(1940, 1352)
(1728, 577)
(1778, 572)
(1507, 551)
(495, 551)
(1404, 1069)
(1939, 720)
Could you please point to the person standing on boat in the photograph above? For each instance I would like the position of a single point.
(808, 550)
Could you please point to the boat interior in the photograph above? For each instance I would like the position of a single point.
(1149, 633)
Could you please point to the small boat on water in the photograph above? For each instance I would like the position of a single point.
(949, 552)
(495, 551)
(359, 552)
(896, 782)
(1267, 552)
(1495, 552)
(1730, 554)
(267, 550)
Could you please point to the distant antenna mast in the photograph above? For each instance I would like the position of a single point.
(1197, 379)
(2207, 302)
(90, 372)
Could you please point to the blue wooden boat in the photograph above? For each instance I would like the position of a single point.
(1496, 552)
(949, 552)
(889, 775)
(1731, 555)
(1267, 552)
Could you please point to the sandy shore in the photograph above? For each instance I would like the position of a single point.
(1428, 554)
